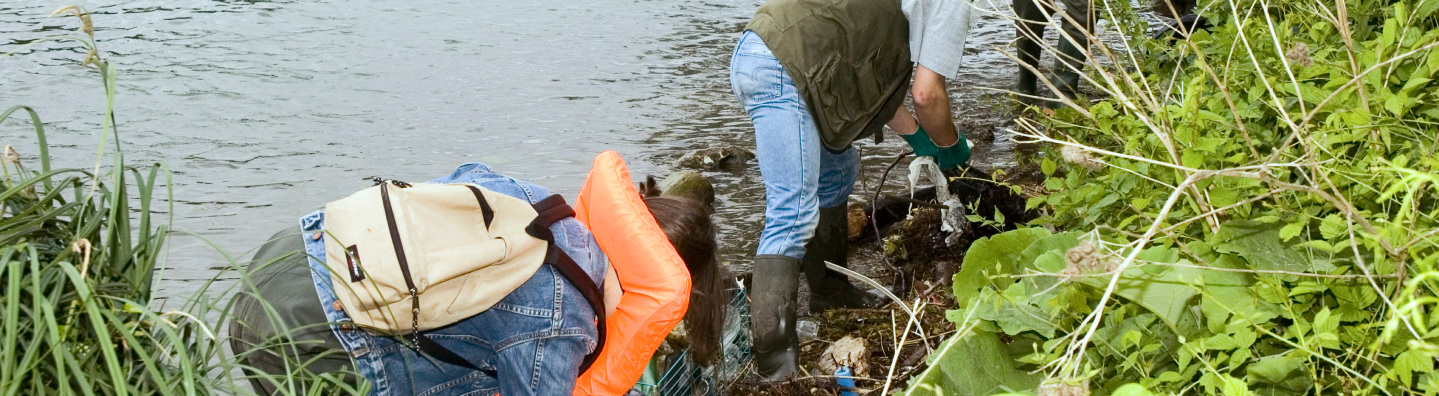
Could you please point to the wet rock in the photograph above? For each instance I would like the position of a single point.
(689, 184)
(858, 220)
(848, 351)
(728, 157)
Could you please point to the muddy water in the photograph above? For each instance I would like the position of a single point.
(266, 110)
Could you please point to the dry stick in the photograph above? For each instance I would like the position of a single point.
(899, 347)
(1315, 112)
(1359, 260)
(1223, 209)
(1224, 89)
(1061, 98)
(1342, 22)
(874, 210)
(1201, 267)
(1075, 352)
(1283, 60)
(1419, 239)
(1259, 69)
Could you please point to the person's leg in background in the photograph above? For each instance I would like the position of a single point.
(1079, 25)
(1029, 31)
(788, 150)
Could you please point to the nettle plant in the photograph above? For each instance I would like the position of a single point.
(1249, 210)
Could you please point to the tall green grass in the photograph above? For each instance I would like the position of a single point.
(78, 252)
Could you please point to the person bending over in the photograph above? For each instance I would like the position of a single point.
(814, 76)
(534, 339)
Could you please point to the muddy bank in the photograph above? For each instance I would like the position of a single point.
(896, 239)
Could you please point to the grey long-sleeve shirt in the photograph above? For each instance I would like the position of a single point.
(937, 33)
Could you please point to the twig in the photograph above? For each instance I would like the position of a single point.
(915, 202)
(874, 207)
(872, 283)
(1217, 211)
(809, 377)
(1418, 239)
(899, 347)
(1220, 269)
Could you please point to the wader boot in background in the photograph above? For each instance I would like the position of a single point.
(829, 289)
(772, 316)
(281, 268)
(1032, 15)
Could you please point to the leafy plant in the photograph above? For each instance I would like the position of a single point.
(1249, 210)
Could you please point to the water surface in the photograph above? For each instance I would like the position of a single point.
(266, 110)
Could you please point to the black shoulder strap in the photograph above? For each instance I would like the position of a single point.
(421, 342)
(550, 210)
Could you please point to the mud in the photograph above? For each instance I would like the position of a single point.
(913, 260)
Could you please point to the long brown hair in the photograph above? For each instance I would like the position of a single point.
(690, 230)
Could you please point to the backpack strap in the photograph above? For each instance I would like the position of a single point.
(551, 210)
(419, 340)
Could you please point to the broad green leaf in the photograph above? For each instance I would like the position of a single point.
(1307, 287)
(1012, 311)
(989, 256)
(1412, 361)
(972, 364)
(1260, 244)
(1060, 242)
(1274, 369)
(1220, 342)
(1225, 291)
(1166, 295)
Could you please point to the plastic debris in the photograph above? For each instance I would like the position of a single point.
(954, 218)
(807, 329)
(846, 384)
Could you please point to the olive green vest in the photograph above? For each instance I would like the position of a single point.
(848, 58)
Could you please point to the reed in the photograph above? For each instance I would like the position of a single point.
(78, 252)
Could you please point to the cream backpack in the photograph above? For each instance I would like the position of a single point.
(406, 258)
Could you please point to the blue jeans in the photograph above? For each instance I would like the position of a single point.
(800, 175)
(530, 343)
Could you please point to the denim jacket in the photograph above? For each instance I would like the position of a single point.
(531, 342)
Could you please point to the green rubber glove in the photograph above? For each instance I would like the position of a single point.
(919, 141)
(947, 157)
(953, 156)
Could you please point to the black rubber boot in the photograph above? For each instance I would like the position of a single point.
(772, 317)
(1071, 56)
(829, 289)
(1067, 83)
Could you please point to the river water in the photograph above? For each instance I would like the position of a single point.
(266, 110)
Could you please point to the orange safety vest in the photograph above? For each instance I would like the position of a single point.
(655, 281)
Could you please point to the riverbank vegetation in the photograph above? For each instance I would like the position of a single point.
(79, 250)
(1251, 210)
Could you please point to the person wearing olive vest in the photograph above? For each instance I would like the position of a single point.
(814, 76)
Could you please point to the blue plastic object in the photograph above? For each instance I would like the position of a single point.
(846, 384)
